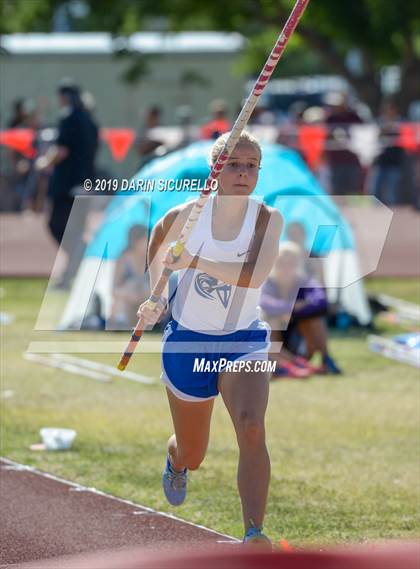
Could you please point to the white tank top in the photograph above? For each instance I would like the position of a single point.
(202, 302)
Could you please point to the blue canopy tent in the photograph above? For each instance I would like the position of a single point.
(285, 182)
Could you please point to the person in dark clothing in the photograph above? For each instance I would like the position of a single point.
(15, 168)
(345, 167)
(72, 159)
(386, 174)
(19, 114)
(295, 304)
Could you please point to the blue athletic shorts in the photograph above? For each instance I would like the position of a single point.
(192, 361)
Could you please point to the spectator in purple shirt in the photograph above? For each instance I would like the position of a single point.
(294, 305)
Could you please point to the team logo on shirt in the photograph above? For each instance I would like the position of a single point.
(209, 287)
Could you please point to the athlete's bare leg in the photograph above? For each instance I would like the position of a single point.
(188, 446)
(246, 396)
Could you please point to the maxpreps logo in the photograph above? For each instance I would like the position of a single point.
(210, 288)
(202, 365)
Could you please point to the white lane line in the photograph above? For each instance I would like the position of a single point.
(66, 366)
(106, 368)
(88, 368)
(391, 349)
(12, 465)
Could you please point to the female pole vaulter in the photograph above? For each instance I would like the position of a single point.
(216, 325)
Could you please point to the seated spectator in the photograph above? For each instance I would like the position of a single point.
(296, 233)
(294, 305)
(131, 282)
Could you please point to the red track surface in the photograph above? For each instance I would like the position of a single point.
(42, 517)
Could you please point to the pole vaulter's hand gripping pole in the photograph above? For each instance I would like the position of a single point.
(241, 121)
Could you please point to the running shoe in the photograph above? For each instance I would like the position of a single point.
(288, 369)
(174, 484)
(330, 366)
(255, 536)
(303, 363)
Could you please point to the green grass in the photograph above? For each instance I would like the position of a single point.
(344, 451)
(407, 289)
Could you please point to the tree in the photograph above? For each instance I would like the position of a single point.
(384, 32)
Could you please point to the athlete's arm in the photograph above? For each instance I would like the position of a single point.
(165, 231)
